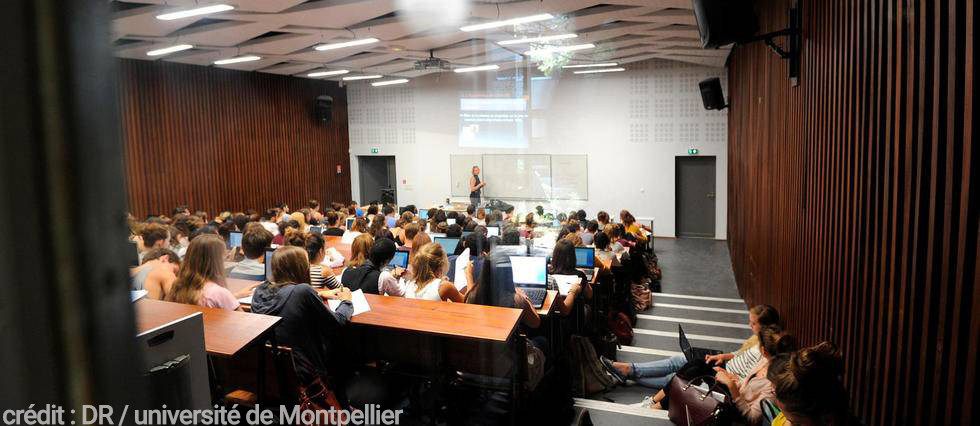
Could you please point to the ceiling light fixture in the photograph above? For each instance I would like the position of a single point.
(171, 49)
(248, 58)
(541, 39)
(600, 70)
(327, 73)
(513, 21)
(362, 77)
(605, 64)
(557, 49)
(195, 12)
(390, 82)
(479, 68)
(341, 45)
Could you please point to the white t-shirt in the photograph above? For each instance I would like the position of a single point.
(271, 227)
(431, 291)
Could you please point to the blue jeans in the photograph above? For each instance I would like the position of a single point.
(657, 374)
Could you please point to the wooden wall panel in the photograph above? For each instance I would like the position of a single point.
(217, 139)
(853, 204)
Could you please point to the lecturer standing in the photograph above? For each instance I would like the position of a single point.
(476, 187)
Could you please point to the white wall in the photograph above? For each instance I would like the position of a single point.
(630, 124)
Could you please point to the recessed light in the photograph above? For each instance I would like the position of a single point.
(171, 49)
(248, 58)
(556, 49)
(514, 21)
(600, 70)
(195, 12)
(390, 82)
(479, 68)
(362, 77)
(327, 73)
(541, 39)
(605, 64)
(344, 44)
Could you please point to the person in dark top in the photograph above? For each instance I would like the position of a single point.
(332, 229)
(307, 324)
(563, 263)
(476, 187)
(363, 277)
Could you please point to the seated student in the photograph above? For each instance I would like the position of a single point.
(631, 227)
(563, 263)
(201, 280)
(581, 216)
(588, 233)
(157, 273)
(382, 252)
(657, 374)
(315, 214)
(399, 230)
(602, 219)
(333, 229)
(479, 249)
(510, 237)
(562, 219)
(748, 393)
(454, 231)
(574, 239)
(154, 236)
(320, 275)
(527, 231)
(308, 326)
(359, 227)
(809, 387)
(483, 292)
(429, 265)
(360, 250)
(615, 241)
(301, 219)
(480, 217)
(409, 231)
(378, 228)
(602, 251)
(283, 226)
(420, 240)
(255, 241)
(361, 273)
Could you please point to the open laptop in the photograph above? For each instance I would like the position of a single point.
(585, 261)
(268, 265)
(234, 240)
(424, 214)
(400, 260)
(493, 231)
(531, 276)
(316, 229)
(448, 244)
(450, 221)
(390, 221)
(692, 353)
(350, 222)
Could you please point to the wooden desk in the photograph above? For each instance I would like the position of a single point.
(454, 320)
(549, 303)
(225, 332)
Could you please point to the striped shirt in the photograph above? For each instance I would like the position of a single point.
(318, 281)
(744, 362)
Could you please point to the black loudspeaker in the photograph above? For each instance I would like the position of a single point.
(722, 22)
(323, 108)
(711, 94)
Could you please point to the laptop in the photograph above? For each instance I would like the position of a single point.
(493, 231)
(316, 229)
(448, 244)
(465, 233)
(350, 222)
(268, 265)
(390, 221)
(531, 276)
(692, 353)
(424, 214)
(450, 221)
(400, 260)
(585, 261)
(234, 240)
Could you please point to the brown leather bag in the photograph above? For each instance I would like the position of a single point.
(318, 397)
(691, 406)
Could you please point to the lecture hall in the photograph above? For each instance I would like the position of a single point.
(483, 212)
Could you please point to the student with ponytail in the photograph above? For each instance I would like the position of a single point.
(809, 387)
(315, 246)
(748, 393)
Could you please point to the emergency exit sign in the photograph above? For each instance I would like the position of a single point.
(692, 151)
(375, 150)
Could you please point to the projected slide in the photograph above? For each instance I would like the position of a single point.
(493, 122)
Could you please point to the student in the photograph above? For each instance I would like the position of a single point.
(409, 232)
(481, 217)
(602, 218)
(283, 227)
(588, 233)
(360, 250)
(255, 241)
(362, 273)
(313, 243)
(511, 237)
(333, 228)
(454, 231)
(301, 219)
(482, 294)
(378, 228)
(399, 230)
(154, 236)
(563, 263)
(809, 387)
(574, 239)
(479, 249)
(157, 273)
(307, 326)
(382, 252)
(749, 393)
(429, 271)
(528, 230)
(580, 215)
(420, 240)
(315, 214)
(615, 241)
(359, 227)
(657, 374)
(201, 280)
(630, 226)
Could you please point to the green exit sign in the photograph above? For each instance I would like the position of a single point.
(692, 151)
(375, 150)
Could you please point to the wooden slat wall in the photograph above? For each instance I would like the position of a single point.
(853, 205)
(217, 139)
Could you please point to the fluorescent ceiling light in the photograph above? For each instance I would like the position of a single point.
(514, 21)
(327, 73)
(248, 58)
(537, 39)
(171, 49)
(342, 45)
(195, 12)
(556, 49)
(600, 70)
(479, 68)
(605, 64)
(362, 77)
(390, 82)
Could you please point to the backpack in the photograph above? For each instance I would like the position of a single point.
(620, 325)
(641, 297)
(588, 375)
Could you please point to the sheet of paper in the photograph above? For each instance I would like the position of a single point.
(348, 237)
(357, 299)
(565, 282)
(136, 295)
(245, 300)
(461, 261)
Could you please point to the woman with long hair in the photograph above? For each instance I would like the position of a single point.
(429, 280)
(201, 279)
(563, 263)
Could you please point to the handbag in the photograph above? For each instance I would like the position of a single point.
(689, 405)
(318, 397)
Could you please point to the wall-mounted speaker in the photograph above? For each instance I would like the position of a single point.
(711, 94)
(722, 22)
(323, 108)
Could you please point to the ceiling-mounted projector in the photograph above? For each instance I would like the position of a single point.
(432, 62)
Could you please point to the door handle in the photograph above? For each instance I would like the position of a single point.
(711, 195)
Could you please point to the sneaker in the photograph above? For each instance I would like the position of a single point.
(646, 403)
(606, 362)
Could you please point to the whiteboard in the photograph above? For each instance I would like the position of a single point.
(569, 177)
(517, 176)
(460, 169)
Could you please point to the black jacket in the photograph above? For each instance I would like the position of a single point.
(335, 232)
(364, 277)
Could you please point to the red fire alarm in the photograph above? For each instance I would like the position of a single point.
(339, 169)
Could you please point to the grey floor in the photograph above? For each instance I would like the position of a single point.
(691, 267)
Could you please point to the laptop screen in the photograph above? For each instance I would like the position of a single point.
(316, 229)
(350, 222)
(450, 221)
(400, 260)
(584, 257)
(448, 244)
(390, 221)
(683, 342)
(465, 233)
(529, 270)
(493, 231)
(268, 265)
(424, 214)
(234, 240)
